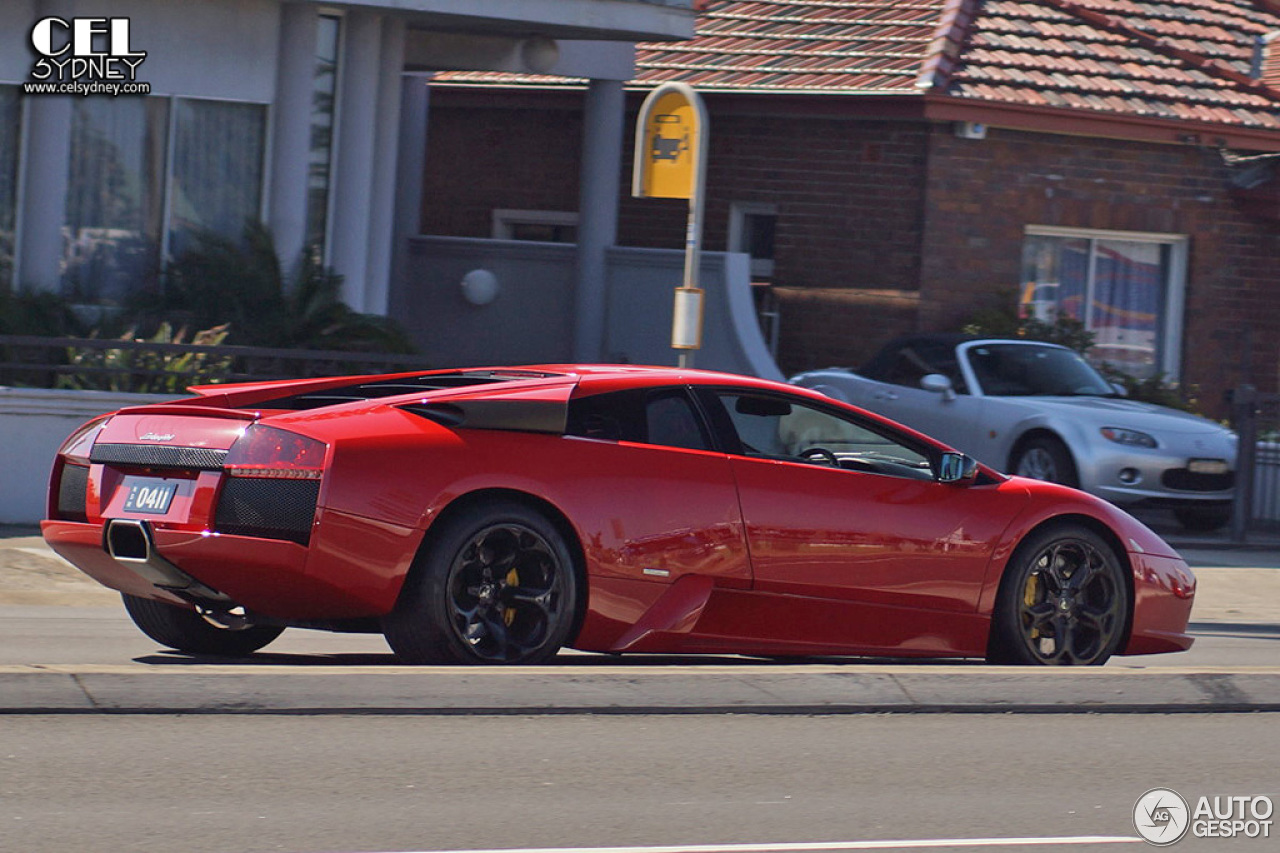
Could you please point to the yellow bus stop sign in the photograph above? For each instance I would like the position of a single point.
(670, 144)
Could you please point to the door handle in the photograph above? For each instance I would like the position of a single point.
(885, 395)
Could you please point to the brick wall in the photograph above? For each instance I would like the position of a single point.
(982, 193)
(873, 214)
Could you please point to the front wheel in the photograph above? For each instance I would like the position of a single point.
(1045, 458)
(497, 585)
(189, 631)
(1063, 601)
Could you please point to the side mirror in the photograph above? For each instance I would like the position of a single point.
(957, 468)
(1120, 390)
(938, 384)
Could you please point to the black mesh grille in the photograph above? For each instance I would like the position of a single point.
(159, 456)
(1185, 481)
(72, 488)
(267, 507)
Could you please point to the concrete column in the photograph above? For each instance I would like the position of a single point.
(43, 208)
(410, 164)
(597, 213)
(291, 131)
(352, 185)
(383, 196)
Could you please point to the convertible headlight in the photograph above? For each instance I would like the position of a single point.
(1130, 437)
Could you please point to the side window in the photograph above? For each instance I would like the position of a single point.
(671, 421)
(771, 427)
(915, 361)
(665, 417)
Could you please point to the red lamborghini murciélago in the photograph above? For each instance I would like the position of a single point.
(496, 515)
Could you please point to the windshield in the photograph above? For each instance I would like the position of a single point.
(1027, 370)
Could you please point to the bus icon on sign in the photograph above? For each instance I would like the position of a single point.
(669, 147)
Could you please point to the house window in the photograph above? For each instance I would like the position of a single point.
(751, 230)
(216, 175)
(545, 226)
(1127, 288)
(115, 198)
(323, 111)
(146, 176)
(10, 130)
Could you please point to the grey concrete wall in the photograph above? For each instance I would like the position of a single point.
(530, 319)
(34, 423)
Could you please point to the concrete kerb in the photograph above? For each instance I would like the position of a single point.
(1242, 586)
(809, 689)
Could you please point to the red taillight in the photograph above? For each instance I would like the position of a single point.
(77, 446)
(264, 451)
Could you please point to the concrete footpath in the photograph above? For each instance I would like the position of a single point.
(1239, 591)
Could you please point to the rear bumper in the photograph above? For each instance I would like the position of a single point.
(352, 569)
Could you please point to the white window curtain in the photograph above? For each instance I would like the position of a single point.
(216, 175)
(115, 198)
(10, 130)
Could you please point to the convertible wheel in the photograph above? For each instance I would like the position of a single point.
(1063, 601)
(1045, 458)
(496, 586)
(189, 631)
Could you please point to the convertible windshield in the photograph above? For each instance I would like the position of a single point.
(1027, 370)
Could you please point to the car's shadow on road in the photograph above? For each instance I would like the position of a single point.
(574, 660)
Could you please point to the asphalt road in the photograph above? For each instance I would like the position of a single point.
(341, 783)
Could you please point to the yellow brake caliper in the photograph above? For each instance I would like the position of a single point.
(1029, 597)
(509, 613)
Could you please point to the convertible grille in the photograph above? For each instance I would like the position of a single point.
(1185, 481)
(268, 508)
(159, 456)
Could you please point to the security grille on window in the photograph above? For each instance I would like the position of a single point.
(1127, 288)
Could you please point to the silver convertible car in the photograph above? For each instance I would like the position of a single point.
(1040, 410)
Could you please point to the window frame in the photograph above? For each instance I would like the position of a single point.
(739, 211)
(505, 219)
(1170, 330)
(726, 436)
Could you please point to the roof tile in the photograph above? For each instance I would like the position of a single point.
(1172, 58)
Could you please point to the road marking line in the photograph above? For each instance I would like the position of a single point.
(901, 844)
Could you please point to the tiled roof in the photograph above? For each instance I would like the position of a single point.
(1175, 59)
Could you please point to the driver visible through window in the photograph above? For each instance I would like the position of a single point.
(786, 430)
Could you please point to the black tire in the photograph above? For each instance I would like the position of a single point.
(1203, 519)
(1063, 601)
(188, 631)
(496, 585)
(1045, 458)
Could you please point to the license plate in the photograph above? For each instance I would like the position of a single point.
(150, 496)
(1208, 466)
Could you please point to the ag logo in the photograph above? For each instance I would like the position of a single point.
(1161, 816)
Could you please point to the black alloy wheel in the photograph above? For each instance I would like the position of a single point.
(190, 631)
(1063, 601)
(498, 586)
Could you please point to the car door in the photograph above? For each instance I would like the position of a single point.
(840, 507)
(954, 418)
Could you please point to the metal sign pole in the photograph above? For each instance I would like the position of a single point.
(670, 162)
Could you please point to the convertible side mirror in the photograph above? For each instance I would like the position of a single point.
(957, 468)
(938, 384)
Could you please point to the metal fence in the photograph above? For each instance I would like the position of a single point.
(144, 366)
(1256, 420)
